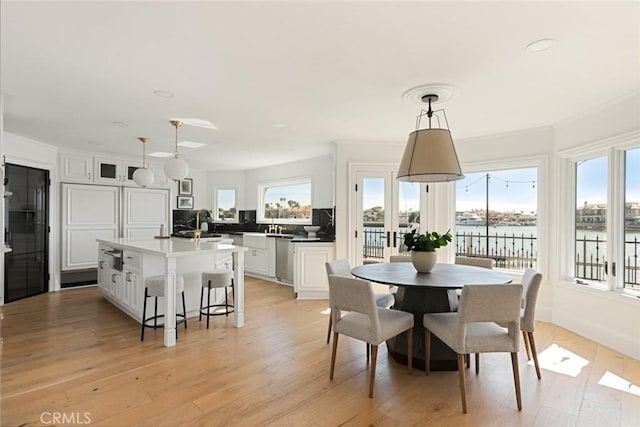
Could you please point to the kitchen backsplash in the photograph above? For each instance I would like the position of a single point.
(185, 219)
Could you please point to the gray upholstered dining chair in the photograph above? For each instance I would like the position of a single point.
(472, 329)
(364, 320)
(342, 267)
(531, 282)
(474, 261)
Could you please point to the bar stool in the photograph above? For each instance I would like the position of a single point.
(216, 279)
(154, 287)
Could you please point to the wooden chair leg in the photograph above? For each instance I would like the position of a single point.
(333, 354)
(526, 345)
(368, 350)
(535, 354)
(427, 351)
(329, 330)
(410, 348)
(516, 378)
(374, 357)
(477, 363)
(463, 390)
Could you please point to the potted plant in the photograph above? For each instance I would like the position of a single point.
(423, 248)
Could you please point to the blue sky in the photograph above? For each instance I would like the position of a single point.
(591, 179)
(512, 190)
(515, 190)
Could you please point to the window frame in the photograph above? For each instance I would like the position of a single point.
(216, 220)
(265, 185)
(614, 150)
(539, 162)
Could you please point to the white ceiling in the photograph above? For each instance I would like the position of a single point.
(330, 71)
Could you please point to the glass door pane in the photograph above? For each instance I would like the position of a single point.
(26, 267)
(631, 277)
(407, 212)
(591, 219)
(373, 219)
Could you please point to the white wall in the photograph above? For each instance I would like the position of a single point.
(320, 169)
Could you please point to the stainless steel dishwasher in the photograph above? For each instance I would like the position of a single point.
(284, 260)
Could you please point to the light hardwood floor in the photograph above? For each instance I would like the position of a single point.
(72, 352)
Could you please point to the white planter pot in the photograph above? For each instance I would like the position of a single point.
(424, 261)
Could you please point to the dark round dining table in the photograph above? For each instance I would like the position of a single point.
(420, 293)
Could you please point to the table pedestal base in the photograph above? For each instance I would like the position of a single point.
(420, 301)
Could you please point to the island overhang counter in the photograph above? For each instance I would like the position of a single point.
(168, 257)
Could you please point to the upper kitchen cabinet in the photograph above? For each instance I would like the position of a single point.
(112, 171)
(87, 169)
(76, 168)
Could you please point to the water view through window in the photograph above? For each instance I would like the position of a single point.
(496, 217)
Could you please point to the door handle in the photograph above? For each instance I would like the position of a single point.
(395, 239)
(388, 239)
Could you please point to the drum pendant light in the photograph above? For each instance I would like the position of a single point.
(430, 155)
(176, 168)
(143, 176)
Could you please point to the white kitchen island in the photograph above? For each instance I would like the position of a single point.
(123, 284)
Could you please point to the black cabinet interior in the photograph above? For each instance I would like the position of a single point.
(26, 232)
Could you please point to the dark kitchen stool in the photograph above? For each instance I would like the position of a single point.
(216, 279)
(154, 288)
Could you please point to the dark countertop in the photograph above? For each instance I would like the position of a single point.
(296, 238)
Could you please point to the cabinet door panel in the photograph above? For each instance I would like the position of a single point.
(78, 168)
(144, 211)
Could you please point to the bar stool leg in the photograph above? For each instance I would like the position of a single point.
(201, 298)
(184, 311)
(155, 313)
(144, 314)
(208, 304)
(226, 302)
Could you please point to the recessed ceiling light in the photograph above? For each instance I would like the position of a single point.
(94, 143)
(219, 142)
(191, 144)
(163, 93)
(198, 122)
(160, 154)
(540, 45)
(120, 124)
(278, 125)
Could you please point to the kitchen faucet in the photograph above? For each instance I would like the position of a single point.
(197, 232)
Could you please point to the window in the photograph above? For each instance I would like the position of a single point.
(591, 218)
(225, 205)
(496, 217)
(285, 202)
(632, 220)
(606, 216)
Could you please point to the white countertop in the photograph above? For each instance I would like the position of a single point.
(172, 248)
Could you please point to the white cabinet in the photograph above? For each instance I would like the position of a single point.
(76, 168)
(114, 171)
(84, 168)
(261, 257)
(144, 210)
(89, 212)
(310, 275)
(132, 289)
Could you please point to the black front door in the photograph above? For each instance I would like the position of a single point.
(26, 232)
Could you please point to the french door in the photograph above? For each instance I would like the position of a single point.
(26, 270)
(383, 209)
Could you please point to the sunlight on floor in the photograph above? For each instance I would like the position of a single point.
(326, 311)
(611, 380)
(561, 360)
